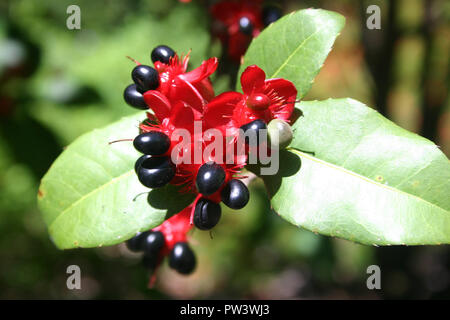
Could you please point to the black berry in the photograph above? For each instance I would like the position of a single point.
(154, 143)
(162, 54)
(134, 98)
(245, 26)
(135, 244)
(156, 172)
(150, 260)
(145, 77)
(152, 245)
(235, 194)
(252, 131)
(153, 242)
(139, 161)
(210, 177)
(182, 258)
(271, 14)
(207, 214)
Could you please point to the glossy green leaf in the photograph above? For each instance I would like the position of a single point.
(91, 195)
(295, 47)
(368, 180)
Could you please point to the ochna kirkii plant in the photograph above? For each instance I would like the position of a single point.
(344, 170)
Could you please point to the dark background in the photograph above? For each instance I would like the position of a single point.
(56, 84)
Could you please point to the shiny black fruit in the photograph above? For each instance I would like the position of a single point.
(271, 14)
(182, 258)
(207, 214)
(135, 244)
(210, 177)
(150, 261)
(156, 172)
(153, 242)
(152, 245)
(134, 98)
(162, 54)
(252, 132)
(145, 77)
(139, 161)
(154, 143)
(235, 194)
(245, 26)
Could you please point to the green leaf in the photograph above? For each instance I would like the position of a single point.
(369, 180)
(91, 195)
(295, 47)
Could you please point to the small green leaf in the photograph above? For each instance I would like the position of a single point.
(369, 180)
(295, 47)
(91, 195)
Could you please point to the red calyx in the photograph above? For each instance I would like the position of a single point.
(230, 110)
(175, 229)
(227, 15)
(173, 77)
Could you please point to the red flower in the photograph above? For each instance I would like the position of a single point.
(226, 27)
(173, 77)
(181, 115)
(262, 99)
(186, 172)
(184, 94)
(175, 229)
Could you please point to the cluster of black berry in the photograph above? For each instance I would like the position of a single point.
(153, 169)
(270, 14)
(151, 243)
(146, 78)
(211, 177)
(213, 181)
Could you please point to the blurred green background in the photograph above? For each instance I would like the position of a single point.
(56, 84)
